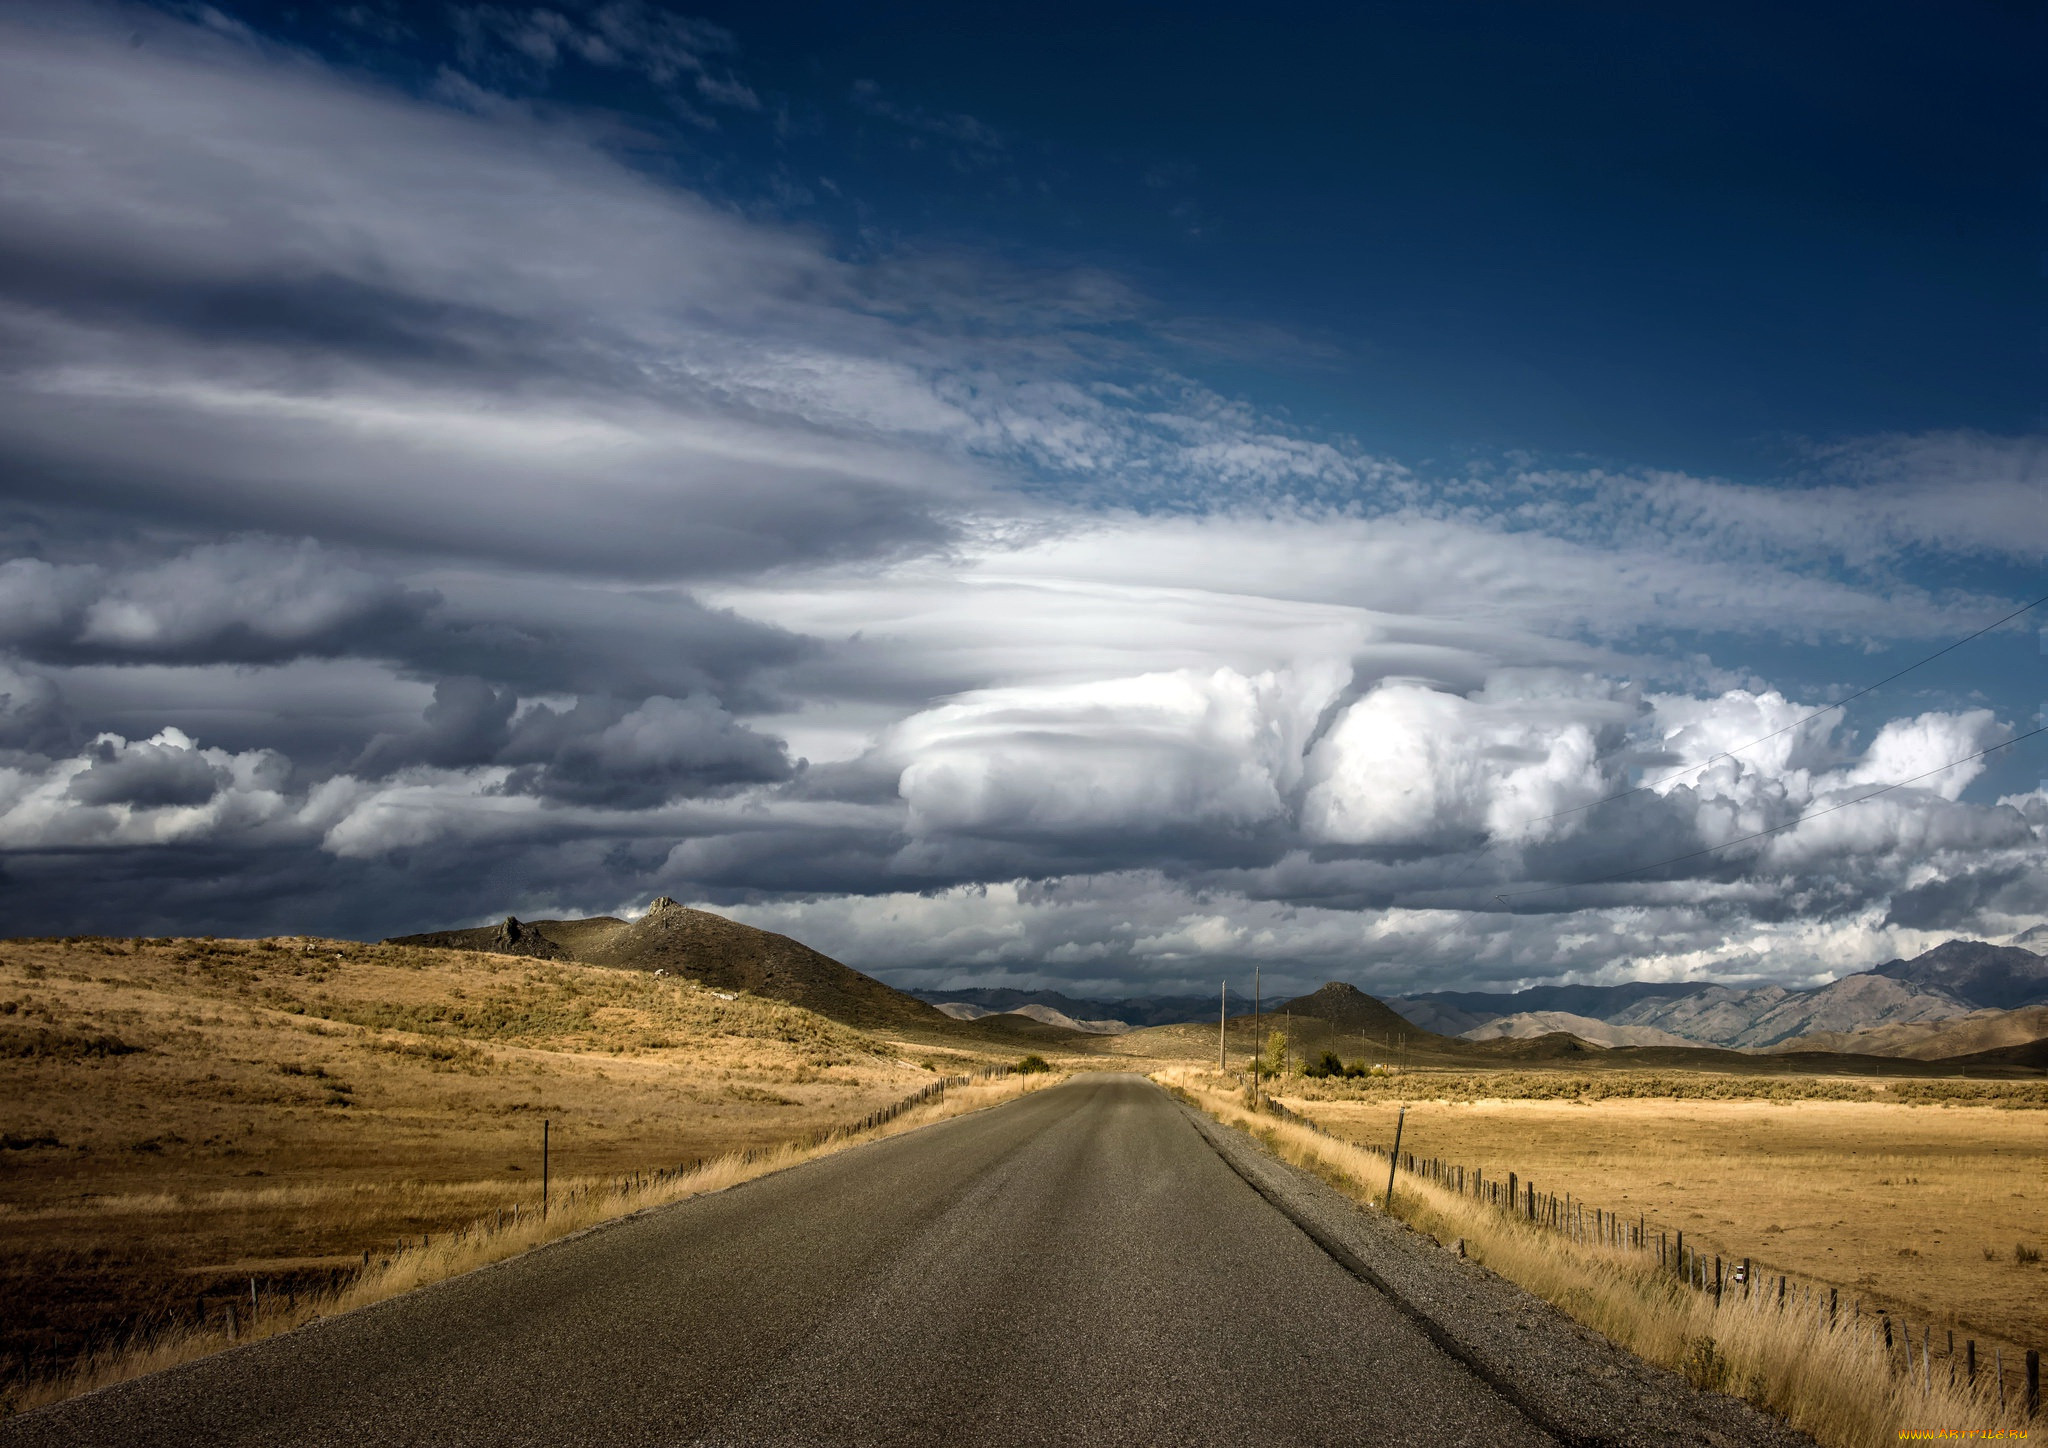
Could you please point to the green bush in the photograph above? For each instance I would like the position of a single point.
(1032, 1065)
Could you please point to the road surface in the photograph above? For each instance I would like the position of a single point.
(1078, 1267)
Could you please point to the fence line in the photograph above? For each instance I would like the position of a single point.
(1707, 1273)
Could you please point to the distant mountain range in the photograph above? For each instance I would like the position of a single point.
(1901, 1008)
(1048, 1015)
(1958, 979)
(1122, 1014)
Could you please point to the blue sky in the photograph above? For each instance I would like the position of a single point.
(1083, 496)
(1706, 240)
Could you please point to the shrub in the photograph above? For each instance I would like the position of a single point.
(1031, 1065)
(2024, 1255)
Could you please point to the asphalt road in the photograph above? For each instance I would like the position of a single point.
(1079, 1266)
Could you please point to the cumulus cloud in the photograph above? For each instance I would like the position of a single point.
(1412, 765)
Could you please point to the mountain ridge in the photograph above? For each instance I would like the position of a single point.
(1951, 980)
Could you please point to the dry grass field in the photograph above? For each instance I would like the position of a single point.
(1919, 1207)
(1832, 1377)
(178, 1116)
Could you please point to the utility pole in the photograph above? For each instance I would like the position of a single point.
(544, 1169)
(1223, 1030)
(1287, 1046)
(1258, 1045)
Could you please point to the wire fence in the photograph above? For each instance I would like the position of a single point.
(1924, 1351)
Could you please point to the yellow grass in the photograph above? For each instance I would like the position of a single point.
(1916, 1209)
(178, 1116)
(578, 1206)
(1834, 1382)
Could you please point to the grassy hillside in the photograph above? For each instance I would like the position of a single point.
(179, 1115)
(729, 956)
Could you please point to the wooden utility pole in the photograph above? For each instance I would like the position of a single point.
(544, 1169)
(1223, 1030)
(1258, 1045)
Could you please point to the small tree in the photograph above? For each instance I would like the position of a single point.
(1031, 1065)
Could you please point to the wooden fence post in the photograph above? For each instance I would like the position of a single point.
(1393, 1159)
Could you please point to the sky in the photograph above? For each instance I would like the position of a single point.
(1094, 497)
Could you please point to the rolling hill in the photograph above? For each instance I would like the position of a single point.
(727, 955)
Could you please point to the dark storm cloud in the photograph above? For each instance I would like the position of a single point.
(246, 600)
(599, 751)
(603, 753)
(146, 776)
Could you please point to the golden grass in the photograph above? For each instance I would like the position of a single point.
(1919, 1210)
(1835, 1382)
(178, 1116)
(578, 1205)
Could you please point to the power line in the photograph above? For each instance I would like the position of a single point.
(1774, 829)
(1650, 784)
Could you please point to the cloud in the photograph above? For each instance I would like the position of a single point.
(155, 774)
(1412, 765)
(970, 144)
(422, 507)
(163, 790)
(658, 750)
(618, 35)
(245, 599)
(1158, 753)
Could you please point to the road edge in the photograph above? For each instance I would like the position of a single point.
(1569, 1380)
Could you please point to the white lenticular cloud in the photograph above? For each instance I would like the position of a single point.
(1154, 752)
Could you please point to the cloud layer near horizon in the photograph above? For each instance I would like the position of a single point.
(418, 513)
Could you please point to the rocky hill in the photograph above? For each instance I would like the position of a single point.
(1350, 1010)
